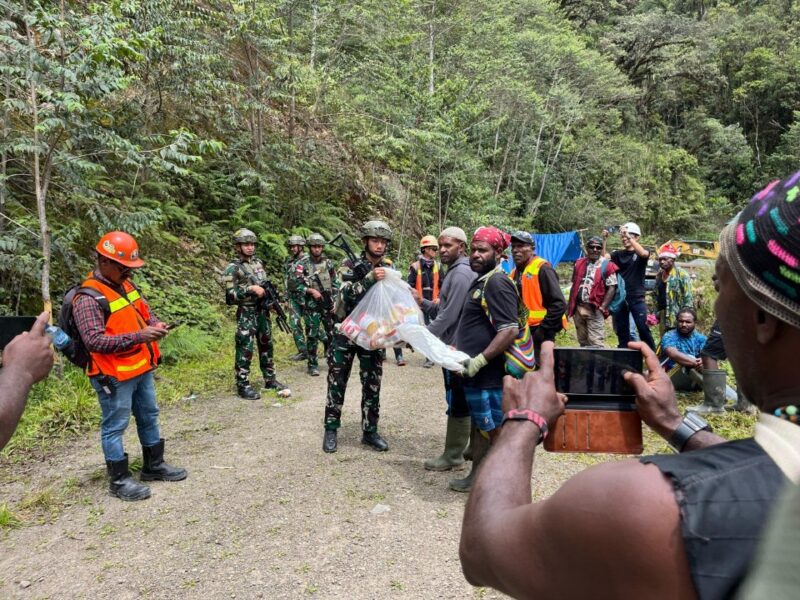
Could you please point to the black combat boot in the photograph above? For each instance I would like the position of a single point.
(154, 466)
(121, 484)
(274, 385)
(329, 441)
(299, 356)
(313, 371)
(247, 392)
(374, 439)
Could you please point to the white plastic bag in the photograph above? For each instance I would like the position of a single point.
(388, 316)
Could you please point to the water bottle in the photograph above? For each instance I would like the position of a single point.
(60, 338)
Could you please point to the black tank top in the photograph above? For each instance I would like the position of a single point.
(725, 494)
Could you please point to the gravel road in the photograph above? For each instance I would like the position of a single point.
(264, 512)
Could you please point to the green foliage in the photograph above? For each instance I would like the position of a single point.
(181, 122)
(61, 407)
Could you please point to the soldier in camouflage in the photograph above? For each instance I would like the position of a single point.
(296, 298)
(356, 280)
(241, 279)
(315, 277)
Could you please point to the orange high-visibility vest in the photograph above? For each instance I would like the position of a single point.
(128, 315)
(418, 285)
(532, 293)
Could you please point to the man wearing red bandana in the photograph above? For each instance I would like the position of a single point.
(489, 323)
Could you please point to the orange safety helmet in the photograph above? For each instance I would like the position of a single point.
(429, 241)
(120, 247)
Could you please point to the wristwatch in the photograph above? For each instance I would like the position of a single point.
(691, 424)
(516, 414)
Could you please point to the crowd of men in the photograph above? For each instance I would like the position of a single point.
(671, 526)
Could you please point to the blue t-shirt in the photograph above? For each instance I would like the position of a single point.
(687, 344)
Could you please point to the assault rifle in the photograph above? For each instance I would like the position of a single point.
(272, 301)
(327, 295)
(360, 267)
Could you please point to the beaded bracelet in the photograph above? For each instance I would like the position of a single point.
(788, 413)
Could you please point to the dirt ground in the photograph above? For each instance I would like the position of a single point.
(264, 512)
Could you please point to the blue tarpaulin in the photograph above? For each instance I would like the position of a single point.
(555, 248)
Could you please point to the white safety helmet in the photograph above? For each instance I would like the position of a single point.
(633, 228)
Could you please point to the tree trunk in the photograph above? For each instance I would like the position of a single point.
(431, 49)
(314, 17)
(39, 182)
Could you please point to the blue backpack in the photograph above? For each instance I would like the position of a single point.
(619, 296)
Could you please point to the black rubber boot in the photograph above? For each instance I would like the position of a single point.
(329, 441)
(247, 392)
(121, 484)
(374, 440)
(154, 466)
(299, 356)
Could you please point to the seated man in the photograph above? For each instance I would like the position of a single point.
(683, 526)
(680, 352)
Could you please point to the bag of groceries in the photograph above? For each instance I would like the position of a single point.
(388, 316)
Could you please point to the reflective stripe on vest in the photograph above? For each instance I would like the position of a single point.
(128, 315)
(532, 293)
(418, 285)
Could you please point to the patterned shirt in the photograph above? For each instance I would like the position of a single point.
(678, 292)
(90, 321)
(687, 344)
(585, 289)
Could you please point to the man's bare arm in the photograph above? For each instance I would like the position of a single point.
(500, 342)
(683, 359)
(611, 531)
(656, 404)
(26, 360)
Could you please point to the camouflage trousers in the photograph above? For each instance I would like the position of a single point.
(341, 355)
(319, 328)
(253, 323)
(296, 324)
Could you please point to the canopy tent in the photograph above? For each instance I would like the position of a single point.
(555, 248)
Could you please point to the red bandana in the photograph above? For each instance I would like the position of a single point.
(492, 236)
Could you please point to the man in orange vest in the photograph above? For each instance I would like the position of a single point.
(425, 275)
(538, 286)
(121, 335)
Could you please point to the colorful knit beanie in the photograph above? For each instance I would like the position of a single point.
(762, 248)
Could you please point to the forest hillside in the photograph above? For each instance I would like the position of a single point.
(180, 121)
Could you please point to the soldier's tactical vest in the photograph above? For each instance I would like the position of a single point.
(250, 272)
(129, 314)
(321, 269)
(289, 270)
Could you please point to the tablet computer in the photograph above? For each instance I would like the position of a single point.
(592, 378)
(11, 327)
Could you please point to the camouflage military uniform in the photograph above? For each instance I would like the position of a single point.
(251, 320)
(296, 303)
(319, 323)
(341, 355)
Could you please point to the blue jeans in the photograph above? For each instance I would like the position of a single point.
(137, 395)
(636, 308)
(485, 407)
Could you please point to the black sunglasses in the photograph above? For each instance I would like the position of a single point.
(594, 247)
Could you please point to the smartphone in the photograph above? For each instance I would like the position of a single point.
(173, 325)
(11, 327)
(612, 228)
(592, 378)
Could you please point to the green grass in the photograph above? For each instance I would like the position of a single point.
(64, 406)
